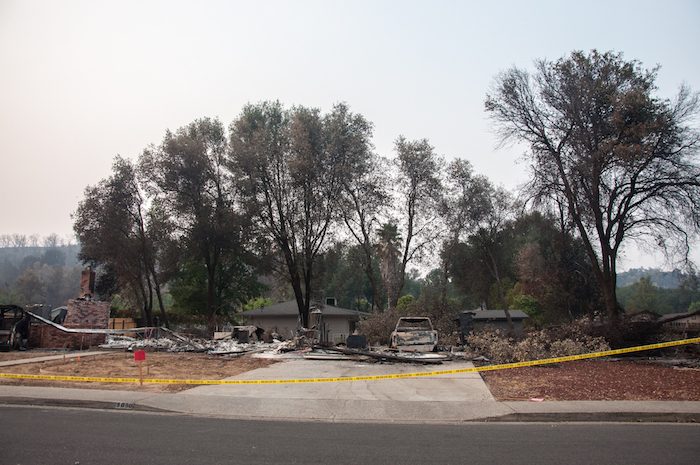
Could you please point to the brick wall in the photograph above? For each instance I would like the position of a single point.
(80, 314)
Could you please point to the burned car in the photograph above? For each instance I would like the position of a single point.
(414, 334)
(14, 327)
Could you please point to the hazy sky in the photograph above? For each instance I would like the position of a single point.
(83, 81)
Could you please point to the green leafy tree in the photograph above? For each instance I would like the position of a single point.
(111, 225)
(364, 196)
(483, 265)
(526, 303)
(644, 297)
(30, 287)
(419, 194)
(339, 274)
(404, 303)
(550, 264)
(196, 198)
(289, 164)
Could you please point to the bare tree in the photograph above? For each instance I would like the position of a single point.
(622, 161)
(52, 240)
(19, 240)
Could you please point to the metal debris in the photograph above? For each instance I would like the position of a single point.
(387, 356)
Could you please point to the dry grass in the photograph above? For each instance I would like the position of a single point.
(116, 365)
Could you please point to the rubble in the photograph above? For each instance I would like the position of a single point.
(177, 343)
(392, 356)
(236, 343)
(299, 347)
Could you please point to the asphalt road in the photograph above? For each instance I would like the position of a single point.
(35, 436)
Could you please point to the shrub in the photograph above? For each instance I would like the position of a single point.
(492, 344)
(378, 327)
(559, 341)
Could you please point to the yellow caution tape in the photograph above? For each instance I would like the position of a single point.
(502, 366)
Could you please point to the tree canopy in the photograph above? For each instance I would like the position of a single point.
(620, 160)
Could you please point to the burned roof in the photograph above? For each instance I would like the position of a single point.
(677, 316)
(290, 308)
(497, 314)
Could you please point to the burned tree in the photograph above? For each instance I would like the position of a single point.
(622, 160)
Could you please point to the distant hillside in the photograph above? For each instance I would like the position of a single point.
(662, 279)
(18, 256)
(39, 275)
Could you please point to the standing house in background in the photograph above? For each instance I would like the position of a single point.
(496, 319)
(688, 322)
(283, 319)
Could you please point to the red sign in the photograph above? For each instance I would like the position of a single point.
(139, 355)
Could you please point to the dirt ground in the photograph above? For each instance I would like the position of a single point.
(121, 364)
(16, 355)
(596, 380)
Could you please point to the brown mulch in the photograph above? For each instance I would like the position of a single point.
(595, 380)
(122, 365)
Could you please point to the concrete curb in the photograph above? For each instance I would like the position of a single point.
(75, 403)
(597, 417)
(529, 417)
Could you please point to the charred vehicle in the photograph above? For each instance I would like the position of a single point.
(13, 327)
(414, 334)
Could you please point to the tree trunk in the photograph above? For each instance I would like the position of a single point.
(612, 308)
(307, 293)
(370, 275)
(164, 317)
(301, 304)
(373, 287)
(295, 281)
(210, 264)
(145, 310)
(211, 303)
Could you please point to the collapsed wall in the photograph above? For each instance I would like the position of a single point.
(85, 314)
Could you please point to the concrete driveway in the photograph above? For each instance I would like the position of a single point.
(439, 399)
(447, 388)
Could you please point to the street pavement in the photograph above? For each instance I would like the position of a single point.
(38, 436)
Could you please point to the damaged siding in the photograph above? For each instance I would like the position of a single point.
(338, 328)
